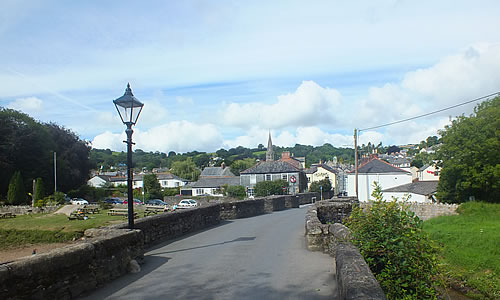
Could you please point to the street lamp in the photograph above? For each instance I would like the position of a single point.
(129, 108)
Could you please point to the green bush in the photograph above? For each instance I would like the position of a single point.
(324, 183)
(168, 192)
(236, 191)
(275, 187)
(398, 251)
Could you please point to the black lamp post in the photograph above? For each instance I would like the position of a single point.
(129, 108)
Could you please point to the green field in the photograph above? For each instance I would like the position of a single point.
(470, 248)
(48, 228)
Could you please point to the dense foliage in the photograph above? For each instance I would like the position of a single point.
(39, 189)
(16, 194)
(28, 146)
(186, 169)
(322, 185)
(236, 191)
(398, 251)
(152, 187)
(470, 156)
(275, 187)
(241, 165)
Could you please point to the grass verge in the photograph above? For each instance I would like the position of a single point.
(470, 241)
(48, 228)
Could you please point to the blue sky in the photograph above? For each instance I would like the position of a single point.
(218, 74)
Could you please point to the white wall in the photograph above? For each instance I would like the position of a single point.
(96, 182)
(365, 183)
(428, 174)
(414, 197)
(209, 191)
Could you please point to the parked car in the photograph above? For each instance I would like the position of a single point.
(113, 200)
(79, 201)
(187, 203)
(136, 202)
(155, 202)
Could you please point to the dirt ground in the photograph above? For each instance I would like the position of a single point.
(9, 255)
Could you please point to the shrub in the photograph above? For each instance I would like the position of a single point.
(275, 187)
(168, 192)
(16, 194)
(324, 183)
(236, 191)
(398, 251)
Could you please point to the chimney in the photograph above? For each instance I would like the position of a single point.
(285, 155)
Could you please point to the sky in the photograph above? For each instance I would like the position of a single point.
(222, 74)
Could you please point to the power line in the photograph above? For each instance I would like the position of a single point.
(430, 113)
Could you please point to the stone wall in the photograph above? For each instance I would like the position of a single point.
(167, 226)
(425, 211)
(242, 209)
(354, 278)
(67, 272)
(25, 209)
(335, 210)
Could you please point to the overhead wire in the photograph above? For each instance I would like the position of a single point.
(430, 113)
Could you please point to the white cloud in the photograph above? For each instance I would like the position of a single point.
(153, 113)
(311, 104)
(184, 101)
(179, 136)
(27, 105)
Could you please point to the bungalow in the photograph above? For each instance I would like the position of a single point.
(419, 191)
(98, 181)
(211, 181)
(375, 170)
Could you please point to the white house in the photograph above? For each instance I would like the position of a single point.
(98, 181)
(428, 173)
(375, 170)
(419, 191)
(318, 172)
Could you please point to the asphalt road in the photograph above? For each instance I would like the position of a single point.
(263, 257)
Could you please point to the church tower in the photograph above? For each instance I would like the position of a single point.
(269, 152)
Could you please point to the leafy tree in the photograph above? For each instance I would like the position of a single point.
(470, 155)
(16, 194)
(324, 183)
(185, 169)
(400, 254)
(39, 189)
(236, 191)
(152, 186)
(201, 160)
(241, 165)
(167, 192)
(275, 187)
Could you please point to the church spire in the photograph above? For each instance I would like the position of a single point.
(269, 152)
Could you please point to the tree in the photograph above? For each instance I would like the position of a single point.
(185, 169)
(241, 165)
(470, 155)
(152, 186)
(39, 189)
(275, 187)
(393, 149)
(324, 183)
(16, 194)
(201, 160)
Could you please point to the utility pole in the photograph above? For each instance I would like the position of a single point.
(356, 159)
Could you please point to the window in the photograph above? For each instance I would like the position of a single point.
(250, 192)
(164, 183)
(268, 177)
(176, 183)
(284, 177)
(199, 191)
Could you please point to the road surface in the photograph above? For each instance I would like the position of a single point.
(262, 257)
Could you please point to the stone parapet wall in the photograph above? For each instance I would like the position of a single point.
(354, 278)
(426, 211)
(242, 209)
(25, 209)
(306, 198)
(67, 272)
(335, 210)
(167, 226)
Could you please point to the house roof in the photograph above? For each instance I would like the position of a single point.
(417, 187)
(216, 171)
(314, 168)
(376, 166)
(167, 176)
(216, 182)
(269, 167)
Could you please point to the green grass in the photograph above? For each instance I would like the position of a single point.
(48, 228)
(470, 247)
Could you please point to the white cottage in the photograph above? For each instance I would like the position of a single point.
(375, 170)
